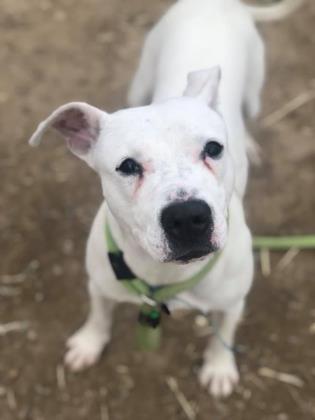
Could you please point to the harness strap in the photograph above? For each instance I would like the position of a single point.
(138, 286)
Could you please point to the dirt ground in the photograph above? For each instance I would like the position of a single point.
(56, 51)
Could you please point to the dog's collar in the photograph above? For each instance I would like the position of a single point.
(153, 297)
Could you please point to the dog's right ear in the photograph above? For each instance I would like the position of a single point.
(204, 84)
(80, 125)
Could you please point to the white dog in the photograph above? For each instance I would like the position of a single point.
(168, 173)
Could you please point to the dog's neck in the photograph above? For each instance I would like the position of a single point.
(141, 263)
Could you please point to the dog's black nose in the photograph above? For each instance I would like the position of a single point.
(186, 222)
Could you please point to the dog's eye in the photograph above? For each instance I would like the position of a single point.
(130, 167)
(213, 149)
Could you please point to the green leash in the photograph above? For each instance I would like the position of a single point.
(153, 297)
(283, 243)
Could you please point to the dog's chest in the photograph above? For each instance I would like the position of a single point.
(188, 301)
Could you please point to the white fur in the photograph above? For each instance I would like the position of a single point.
(167, 137)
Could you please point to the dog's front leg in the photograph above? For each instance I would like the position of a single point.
(219, 372)
(86, 345)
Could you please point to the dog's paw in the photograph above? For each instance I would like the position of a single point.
(84, 348)
(219, 375)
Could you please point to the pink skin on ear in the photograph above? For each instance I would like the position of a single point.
(78, 122)
(79, 130)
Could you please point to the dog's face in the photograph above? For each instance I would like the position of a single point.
(165, 169)
(165, 176)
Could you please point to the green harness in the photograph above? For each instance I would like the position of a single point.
(153, 297)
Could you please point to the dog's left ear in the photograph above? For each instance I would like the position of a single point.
(204, 84)
(80, 125)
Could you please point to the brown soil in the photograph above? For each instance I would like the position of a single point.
(53, 52)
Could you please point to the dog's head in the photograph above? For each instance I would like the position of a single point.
(165, 169)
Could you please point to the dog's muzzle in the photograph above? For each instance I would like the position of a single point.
(188, 228)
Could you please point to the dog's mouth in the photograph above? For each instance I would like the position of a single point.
(194, 255)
